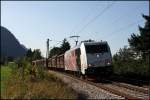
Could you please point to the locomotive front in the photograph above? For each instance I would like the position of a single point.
(96, 58)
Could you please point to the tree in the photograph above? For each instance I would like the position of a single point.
(141, 42)
(122, 59)
(125, 54)
(65, 46)
(29, 53)
(37, 54)
(60, 50)
(133, 61)
(129, 63)
(54, 51)
(33, 55)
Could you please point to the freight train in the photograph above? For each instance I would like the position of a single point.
(87, 58)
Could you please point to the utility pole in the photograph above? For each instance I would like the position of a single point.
(75, 36)
(47, 46)
(47, 51)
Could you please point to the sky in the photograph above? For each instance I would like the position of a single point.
(32, 22)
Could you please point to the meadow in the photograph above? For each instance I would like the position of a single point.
(16, 86)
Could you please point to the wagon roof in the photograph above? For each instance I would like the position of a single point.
(38, 60)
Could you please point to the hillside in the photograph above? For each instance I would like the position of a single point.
(10, 46)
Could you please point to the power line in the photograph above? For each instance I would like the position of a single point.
(116, 20)
(121, 29)
(104, 10)
(84, 19)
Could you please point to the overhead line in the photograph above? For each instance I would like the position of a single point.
(120, 29)
(82, 20)
(104, 10)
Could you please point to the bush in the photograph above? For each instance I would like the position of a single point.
(13, 67)
(128, 63)
(40, 72)
(134, 68)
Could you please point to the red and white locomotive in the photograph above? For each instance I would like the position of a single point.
(87, 58)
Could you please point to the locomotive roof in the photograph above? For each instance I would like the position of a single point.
(85, 42)
(102, 42)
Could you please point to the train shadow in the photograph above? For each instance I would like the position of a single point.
(82, 96)
(133, 81)
(99, 80)
(102, 81)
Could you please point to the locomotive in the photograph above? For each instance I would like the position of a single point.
(87, 58)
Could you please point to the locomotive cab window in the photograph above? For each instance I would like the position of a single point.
(96, 48)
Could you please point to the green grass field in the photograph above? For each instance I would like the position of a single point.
(5, 75)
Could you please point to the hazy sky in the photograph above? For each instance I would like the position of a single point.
(32, 22)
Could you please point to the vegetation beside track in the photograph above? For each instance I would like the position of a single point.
(5, 74)
(21, 83)
(134, 61)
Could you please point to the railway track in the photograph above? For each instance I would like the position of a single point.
(135, 82)
(135, 88)
(124, 90)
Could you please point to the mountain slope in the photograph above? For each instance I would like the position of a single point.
(10, 46)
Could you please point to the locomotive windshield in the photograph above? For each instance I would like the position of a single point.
(96, 48)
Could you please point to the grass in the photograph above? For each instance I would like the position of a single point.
(48, 88)
(5, 75)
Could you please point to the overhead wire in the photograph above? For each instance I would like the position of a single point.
(83, 20)
(93, 19)
(97, 16)
(108, 35)
(121, 29)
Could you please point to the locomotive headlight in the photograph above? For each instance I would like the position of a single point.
(108, 62)
(89, 65)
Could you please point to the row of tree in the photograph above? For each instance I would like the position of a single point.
(29, 56)
(36, 53)
(134, 60)
(60, 50)
(33, 55)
